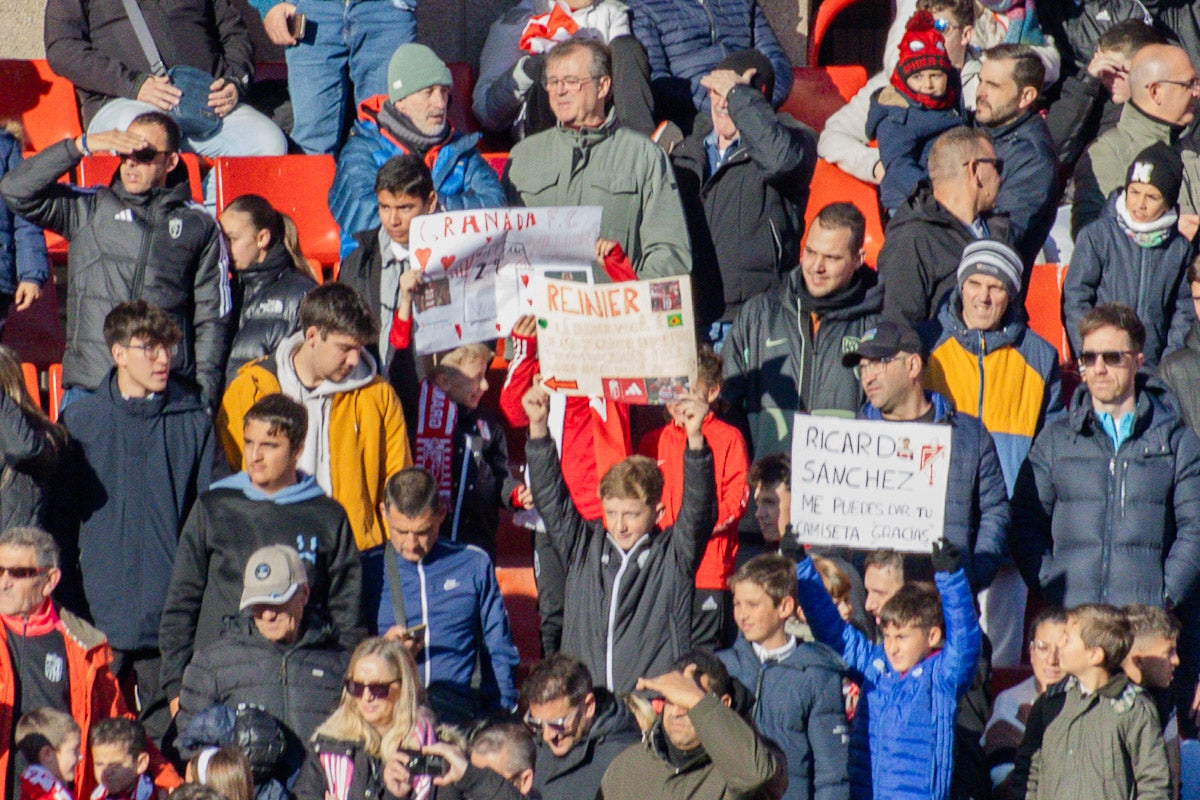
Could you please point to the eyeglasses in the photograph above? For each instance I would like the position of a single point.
(146, 155)
(1192, 86)
(873, 366)
(153, 351)
(557, 726)
(1112, 358)
(997, 163)
(1041, 647)
(378, 691)
(571, 84)
(23, 573)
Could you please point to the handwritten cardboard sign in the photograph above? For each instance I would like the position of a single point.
(634, 342)
(869, 484)
(478, 266)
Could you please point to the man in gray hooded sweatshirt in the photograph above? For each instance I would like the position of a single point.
(269, 502)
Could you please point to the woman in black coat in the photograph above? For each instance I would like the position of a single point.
(30, 448)
(272, 277)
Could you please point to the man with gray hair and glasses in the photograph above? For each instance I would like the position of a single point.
(50, 657)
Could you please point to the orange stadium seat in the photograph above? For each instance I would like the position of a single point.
(822, 22)
(831, 185)
(1043, 303)
(296, 185)
(56, 390)
(817, 92)
(98, 171)
(497, 161)
(30, 373)
(43, 102)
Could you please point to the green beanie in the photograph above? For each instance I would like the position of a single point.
(415, 67)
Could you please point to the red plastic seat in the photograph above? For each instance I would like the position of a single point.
(99, 170)
(497, 161)
(831, 185)
(1043, 303)
(43, 102)
(296, 185)
(822, 22)
(460, 113)
(30, 373)
(56, 390)
(817, 92)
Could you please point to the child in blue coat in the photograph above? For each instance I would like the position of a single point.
(23, 265)
(902, 741)
(920, 104)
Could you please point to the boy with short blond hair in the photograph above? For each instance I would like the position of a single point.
(629, 582)
(1106, 741)
(49, 741)
(798, 685)
(712, 611)
(911, 684)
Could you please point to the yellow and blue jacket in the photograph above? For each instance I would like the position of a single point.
(1007, 378)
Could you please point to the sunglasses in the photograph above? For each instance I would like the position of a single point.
(146, 155)
(378, 691)
(1112, 358)
(557, 726)
(23, 573)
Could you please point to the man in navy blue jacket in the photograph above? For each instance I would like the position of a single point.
(685, 41)
(442, 600)
(145, 443)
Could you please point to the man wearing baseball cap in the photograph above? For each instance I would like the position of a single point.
(411, 118)
(889, 362)
(986, 360)
(278, 654)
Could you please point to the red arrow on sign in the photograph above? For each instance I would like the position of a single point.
(554, 384)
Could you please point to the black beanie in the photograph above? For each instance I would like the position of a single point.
(742, 60)
(1160, 166)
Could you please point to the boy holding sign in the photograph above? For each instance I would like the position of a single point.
(931, 644)
(629, 583)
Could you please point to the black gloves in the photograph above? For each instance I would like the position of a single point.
(946, 557)
(791, 547)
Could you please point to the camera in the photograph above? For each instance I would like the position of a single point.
(425, 763)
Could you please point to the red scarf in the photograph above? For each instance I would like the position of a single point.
(942, 103)
(436, 418)
(546, 30)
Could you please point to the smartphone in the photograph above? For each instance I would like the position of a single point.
(296, 26)
(415, 632)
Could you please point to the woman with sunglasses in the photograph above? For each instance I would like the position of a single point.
(380, 712)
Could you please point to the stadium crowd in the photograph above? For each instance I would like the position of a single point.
(253, 556)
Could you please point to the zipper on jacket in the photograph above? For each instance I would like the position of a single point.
(612, 614)
(139, 273)
(712, 23)
(979, 359)
(1106, 556)
(424, 620)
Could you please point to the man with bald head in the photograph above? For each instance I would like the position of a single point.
(1162, 95)
(927, 234)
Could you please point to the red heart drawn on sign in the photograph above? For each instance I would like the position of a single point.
(458, 330)
(447, 261)
(498, 328)
(525, 279)
(422, 254)
(489, 239)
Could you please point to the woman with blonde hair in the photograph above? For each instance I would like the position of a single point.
(381, 711)
(30, 448)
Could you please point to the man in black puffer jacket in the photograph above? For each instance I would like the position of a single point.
(140, 238)
(743, 178)
(274, 654)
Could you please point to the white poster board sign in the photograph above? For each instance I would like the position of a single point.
(869, 484)
(634, 342)
(478, 265)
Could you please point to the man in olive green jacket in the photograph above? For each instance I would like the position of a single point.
(588, 160)
(699, 749)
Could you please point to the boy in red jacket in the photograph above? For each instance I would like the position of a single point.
(712, 612)
(49, 740)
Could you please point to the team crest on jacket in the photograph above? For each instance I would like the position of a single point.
(175, 228)
(850, 344)
(55, 668)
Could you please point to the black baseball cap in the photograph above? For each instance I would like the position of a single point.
(885, 340)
